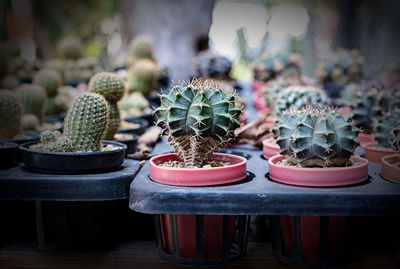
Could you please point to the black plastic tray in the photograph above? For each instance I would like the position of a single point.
(18, 184)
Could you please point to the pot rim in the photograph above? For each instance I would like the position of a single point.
(385, 161)
(370, 146)
(121, 146)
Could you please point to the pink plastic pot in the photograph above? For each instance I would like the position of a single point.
(364, 138)
(258, 85)
(264, 112)
(318, 177)
(344, 110)
(259, 103)
(198, 177)
(374, 154)
(270, 148)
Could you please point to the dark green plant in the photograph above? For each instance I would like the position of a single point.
(10, 115)
(384, 126)
(33, 99)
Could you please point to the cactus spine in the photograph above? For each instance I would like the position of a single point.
(316, 136)
(10, 115)
(198, 118)
(112, 87)
(33, 100)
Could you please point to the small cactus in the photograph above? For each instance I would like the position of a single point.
(140, 47)
(316, 136)
(198, 118)
(50, 80)
(70, 48)
(143, 76)
(10, 115)
(383, 128)
(30, 122)
(33, 99)
(112, 87)
(395, 136)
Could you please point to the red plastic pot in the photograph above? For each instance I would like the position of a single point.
(259, 103)
(318, 177)
(374, 154)
(270, 148)
(364, 138)
(258, 85)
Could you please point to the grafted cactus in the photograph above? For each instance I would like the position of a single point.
(383, 128)
(70, 47)
(33, 99)
(316, 136)
(112, 87)
(143, 76)
(198, 118)
(299, 96)
(10, 115)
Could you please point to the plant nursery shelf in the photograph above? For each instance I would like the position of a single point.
(258, 195)
(18, 184)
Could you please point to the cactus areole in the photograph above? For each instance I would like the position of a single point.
(198, 118)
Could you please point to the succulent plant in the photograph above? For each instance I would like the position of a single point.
(10, 115)
(383, 128)
(298, 97)
(140, 47)
(9, 82)
(70, 48)
(143, 76)
(112, 87)
(210, 65)
(268, 67)
(316, 136)
(395, 136)
(33, 99)
(272, 90)
(198, 118)
(30, 122)
(50, 80)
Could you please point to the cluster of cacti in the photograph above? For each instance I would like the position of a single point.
(341, 67)
(10, 115)
(143, 76)
(316, 136)
(140, 47)
(298, 97)
(198, 119)
(112, 87)
(384, 126)
(33, 99)
(50, 80)
(84, 126)
(211, 65)
(70, 47)
(268, 67)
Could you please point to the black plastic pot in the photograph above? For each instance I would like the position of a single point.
(73, 162)
(55, 118)
(143, 124)
(130, 143)
(28, 136)
(8, 155)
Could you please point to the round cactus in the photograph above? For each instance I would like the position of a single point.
(86, 122)
(10, 115)
(70, 48)
(143, 76)
(30, 122)
(33, 99)
(383, 128)
(50, 80)
(48, 136)
(273, 88)
(395, 136)
(316, 136)
(141, 47)
(198, 118)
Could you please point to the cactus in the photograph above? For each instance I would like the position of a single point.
(142, 76)
(9, 82)
(33, 99)
(316, 136)
(383, 128)
(10, 115)
(50, 80)
(70, 48)
(273, 89)
(298, 97)
(53, 141)
(112, 87)
(395, 136)
(198, 119)
(141, 47)
(30, 122)
(211, 65)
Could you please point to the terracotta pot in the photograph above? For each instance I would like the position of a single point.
(364, 138)
(270, 148)
(318, 177)
(374, 154)
(390, 171)
(198, 177)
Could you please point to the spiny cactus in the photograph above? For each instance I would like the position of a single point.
(33, 99)
(10, 115)
(112, 87)
(143, 76)
(53, 141)
(298, 97)
(383, 128)
(141, 47)
(30, 122)
(316, 136)
(198, 118)
(70, 48)
(272, 90)
(395, 136)
(50, 80)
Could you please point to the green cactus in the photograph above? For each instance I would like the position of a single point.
(316, 136)
(70, 48)
(50, 80)
(10, 115)
(273, 89)
(298, 97)
(86, 122)
(395, 136)
(141, 47)
(143, 76)
(53, 141)
(30, 122)
(33, 99)
(112, 87)
(198, 118)
(383, 128)
(48, 136)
